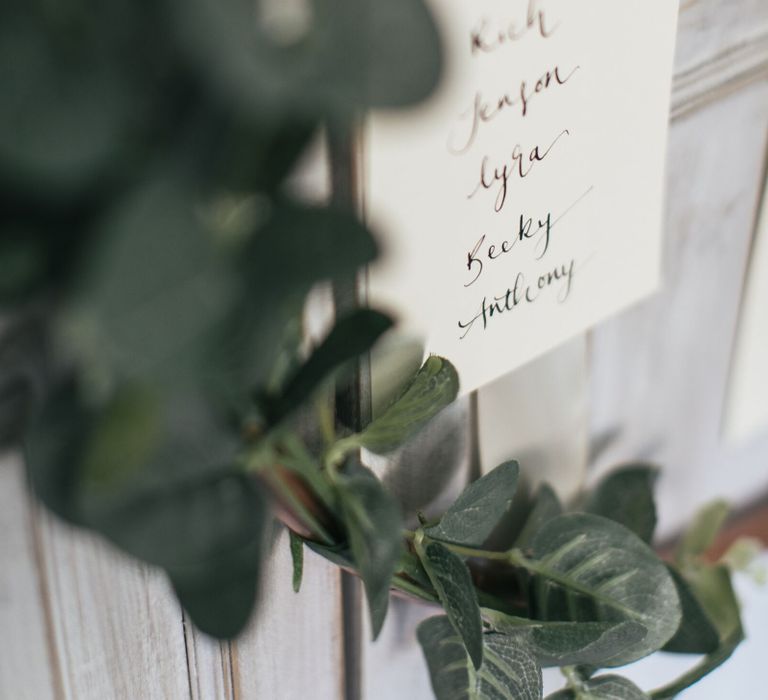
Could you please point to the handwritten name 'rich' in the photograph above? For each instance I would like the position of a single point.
(482, 111)
(488, 37)
(521, 293)
(521, 164)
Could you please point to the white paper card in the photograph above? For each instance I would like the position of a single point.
(747, 410)
(523, 203)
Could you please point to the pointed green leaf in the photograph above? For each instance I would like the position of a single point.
(297, 558)
(713, 589)
(509, 670)
(603, 688)
(129, 319)
(24, 376)
(453, 583)
(374, 529)
(478, 510)
(701, 534)
(546, 506)
(626, 496)
(277, 264)
(696, 634)
(324, 57)
(590, 569)
(154, 478)
(434, 387)
(350, 337)
(570, 643)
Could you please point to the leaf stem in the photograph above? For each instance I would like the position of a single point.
(480, 553)
(706, 666)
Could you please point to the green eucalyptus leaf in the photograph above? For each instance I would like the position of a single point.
(338, 554)
(374, 529)
(626, 496)
(242, 152)
(152, 476)
(279, 263)
(433, 387)
(570, 643)
(713, 589)
(701, 533)
(589, 569)
(53, 449)
(153, 288)
(478, 510)
(350, 337)
(603, 688)
(297, 558)
(317, 56)
(453, 583)
(24, 376)
(697, 634)
(412, 569)
(546, 505)
(220, 605)
(509, 669)
(79, 102)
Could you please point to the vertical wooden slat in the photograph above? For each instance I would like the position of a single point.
(117, 629)
(293, 648)
(28, 670)
(209, 666)
(538, 415)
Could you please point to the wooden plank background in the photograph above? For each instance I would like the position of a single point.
(80, 622)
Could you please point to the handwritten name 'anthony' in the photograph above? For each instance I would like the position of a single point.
(520, 293)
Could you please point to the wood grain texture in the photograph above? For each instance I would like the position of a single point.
(722, 46)
(28, 670)
(538, 415)
(293, 648)
(659, 372)
(117, 630)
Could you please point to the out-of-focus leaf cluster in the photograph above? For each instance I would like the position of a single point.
(153, 265)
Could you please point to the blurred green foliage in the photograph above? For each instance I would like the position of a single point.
(153, 264)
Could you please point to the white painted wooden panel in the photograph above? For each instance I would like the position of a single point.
(27, 669)
(538, 415)
(659, 372)
(116, 627)
(293, 649)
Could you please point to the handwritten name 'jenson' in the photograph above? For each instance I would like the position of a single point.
(482, 111)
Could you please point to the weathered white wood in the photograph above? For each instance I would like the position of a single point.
(293, 648)
(538, 415)
(659, 372)
(709, 28)
(210, 666)
(747, 409)
(28, 670)
(116, 627)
